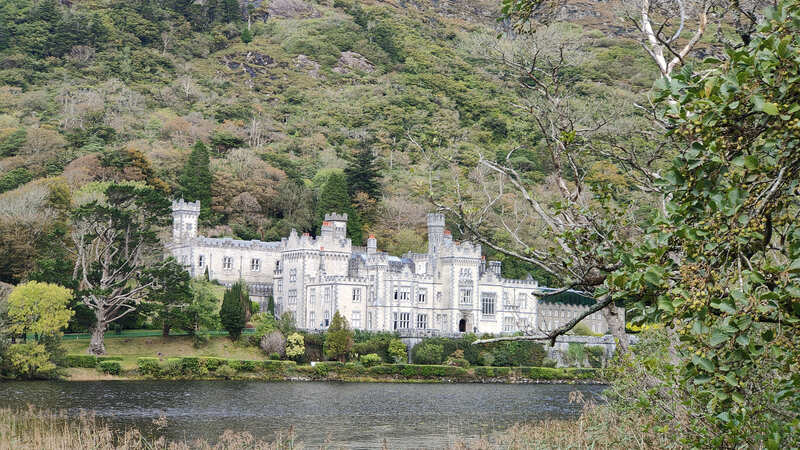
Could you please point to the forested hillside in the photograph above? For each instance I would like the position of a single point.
(289, 109)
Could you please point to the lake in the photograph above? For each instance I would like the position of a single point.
(355, 415)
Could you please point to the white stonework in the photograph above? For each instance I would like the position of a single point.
(449, 289)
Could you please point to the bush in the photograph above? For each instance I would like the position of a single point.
(200, 339)
(321, 370)
(274, 356)
(273, 342)
(148, 366)
(427, 352)
(243, 365)
(457, 359)
(226, 372)
(83, 361)
(110, 367)
(548, 362)
(397, 350)
(211, 363)
(370, 360)
(576, 354)
(594, 354)
(29, 361)
(295, 347)
(192, 366)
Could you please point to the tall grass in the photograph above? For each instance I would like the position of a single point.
(42, 430)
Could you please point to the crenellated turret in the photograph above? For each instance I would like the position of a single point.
(184, 219)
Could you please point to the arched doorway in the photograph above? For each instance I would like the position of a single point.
(462, 325)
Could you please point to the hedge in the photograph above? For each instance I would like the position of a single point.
(148, 366)
(244, 365)
(109, 367)
(211, 363)
(418, 370)
(84, 361)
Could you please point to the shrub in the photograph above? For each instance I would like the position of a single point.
(243, 365)
(211, 363)
(457, 359)
(427, 352)
(274, 356)
(200, 339)
(594, 354)
(487, 372)
(29, 360)
(273, 342)
(109, 358)
(546, 373)
(109, 367)
(321, 370)
(172, 367)
(397, 350)
(83, 361)
(582, 329)
(338, 339)
(487, 358)
(148, 366)
(576, 354)
(295, 348)
(370, 360)
(548, 362)
(276, 366)
(226, 372)
(192, 366)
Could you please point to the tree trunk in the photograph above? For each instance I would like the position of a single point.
(615, 317)
(165, 329)
(97, 345)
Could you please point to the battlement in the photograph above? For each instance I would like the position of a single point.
(336, 217)
(184, 206)
(436, 219)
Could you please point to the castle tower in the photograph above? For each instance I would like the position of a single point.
(372, 245)
(435, 232)
(337, 225)
(184, 219)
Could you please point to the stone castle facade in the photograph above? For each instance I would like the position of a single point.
(449, 289)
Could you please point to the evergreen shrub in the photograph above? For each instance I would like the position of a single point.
(148, 366)
(109, 367)
(370, 360)
(83, 361)
(244, 365)
(212, 363)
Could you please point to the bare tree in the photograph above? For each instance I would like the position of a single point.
(116, 248)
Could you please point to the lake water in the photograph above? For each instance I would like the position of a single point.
(355, 415)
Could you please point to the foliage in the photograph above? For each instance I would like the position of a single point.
(338, 338)
(196, 178)
(29, 361)
(84, 361)
(14, 178)
(370, 359)
(582, 329)
(333, 198)
(231, 313)
(397, 350)
(171, 295)
(457, 359)
(576, 354)
(109, 367)
(203, 311)
(286, 323)
(595, 355)
(295, 347)
(426, 352)
(720, 269)
(363, 174)
(39, 308)
(265, 324)
(273, 342)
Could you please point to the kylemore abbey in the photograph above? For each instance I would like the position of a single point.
(449, 289)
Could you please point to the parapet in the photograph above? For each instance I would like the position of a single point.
(435, 219)
(336, 217)
(184, 206)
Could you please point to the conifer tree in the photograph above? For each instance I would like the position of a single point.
(232, 313)
(338, 339)
(195, 180)
(231, 11)
(334, 198)
(363, 174)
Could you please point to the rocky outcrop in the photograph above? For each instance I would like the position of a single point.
(350, 61)
(292, 9)
(307, 65)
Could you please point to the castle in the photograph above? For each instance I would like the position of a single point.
(449, 289)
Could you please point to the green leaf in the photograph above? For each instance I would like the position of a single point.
(703, 363)
(717, 337)
(743, 340)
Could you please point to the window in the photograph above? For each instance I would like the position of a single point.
(422, 294)
(227, 263)
(311, 322)
(405, 320)
(422, 321)
(508, 323)
(280, 285)
(356, 295)
(369, 320)
(487, 304)
(327, 320)
(292, 297)
(466, 296)
(371, 295)
(522, 301)
(355, 319)
(201, 261)
(402, 293)
(255, 264)
(394, 316)
(327, 297)
(312, 296)
(183, 259)
(293, 275)
(466, 273)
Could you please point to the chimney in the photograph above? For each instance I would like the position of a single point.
(372, 245)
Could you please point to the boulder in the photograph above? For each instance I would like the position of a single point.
(350, 61)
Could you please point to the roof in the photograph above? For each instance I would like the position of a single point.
(569, 297)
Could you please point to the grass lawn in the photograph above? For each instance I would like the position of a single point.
(134, 347)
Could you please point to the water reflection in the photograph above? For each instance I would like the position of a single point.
(356, 415)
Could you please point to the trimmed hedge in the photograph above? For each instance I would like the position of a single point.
(211, 363)
(148, 366)
(244, 365)
(110, 367)
(84, 361)
(418, 370)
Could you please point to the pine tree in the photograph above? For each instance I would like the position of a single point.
(338, 339)
(363, 174)
(271, 306)
(232, 313)
(247, 36)
(231, 11)
(334, 198)
(195, 180)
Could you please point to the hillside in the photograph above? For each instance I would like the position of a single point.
(105, 91)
